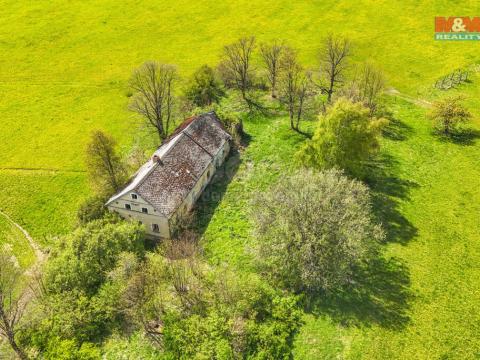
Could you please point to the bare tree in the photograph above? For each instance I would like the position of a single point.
(154, 99)
(365, 86)
(237, 64)
(294, 87)
(333, 63)
(271, 54)
(12, 305)
(104, 166)
(372, 83)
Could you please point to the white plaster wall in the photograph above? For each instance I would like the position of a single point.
(153, 217)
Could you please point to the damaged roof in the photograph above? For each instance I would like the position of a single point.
(175, 167)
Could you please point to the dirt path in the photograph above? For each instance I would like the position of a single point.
(39, 254)
(410, 99)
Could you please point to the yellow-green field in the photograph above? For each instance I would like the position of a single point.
(64, 68)
(12, 238)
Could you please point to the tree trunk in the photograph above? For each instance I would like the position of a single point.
(8, 331)
(16, 348)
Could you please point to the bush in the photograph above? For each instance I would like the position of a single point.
(69, 350)
(204, 88)
(83, 258)
(134, 348)
(232, 121)
(314, 228)
(448, 114)
(82, 288)
(346, 137)
(207, 313)
(93, 208)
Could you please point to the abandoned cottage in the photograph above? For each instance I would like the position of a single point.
(165, 188)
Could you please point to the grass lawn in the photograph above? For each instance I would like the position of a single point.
(421, 299)
(13, 238)
(43, 202)
(65, 68)
(64, 71)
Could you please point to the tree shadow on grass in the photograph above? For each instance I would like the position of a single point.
(214, 192)
(378, 294)
(397, 130)
(387, 191)
(464, 137)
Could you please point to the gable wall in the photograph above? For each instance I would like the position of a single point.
(153, 217)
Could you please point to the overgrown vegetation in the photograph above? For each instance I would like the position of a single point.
(417, 180)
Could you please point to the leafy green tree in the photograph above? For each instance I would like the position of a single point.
(83, 258)
(93, 208)
(80, 298)
(204, 88)
(314, 228)
(346, 137)
(104, 166)
(193, 311)
(448, 114)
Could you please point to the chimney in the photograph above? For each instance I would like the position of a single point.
(156, 159)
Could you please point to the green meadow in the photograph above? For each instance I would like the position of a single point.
(13, 238)
(64, 68)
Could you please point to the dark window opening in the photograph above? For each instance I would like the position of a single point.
(155, 228)
(134, 196)
(128, 207)
(145, 210)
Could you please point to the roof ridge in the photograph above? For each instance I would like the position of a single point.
(155, 165)
(145, 175)
(196, 142)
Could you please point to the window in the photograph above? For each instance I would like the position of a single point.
(155, 228)
(145, 210)
(134, 196)
(128, 207)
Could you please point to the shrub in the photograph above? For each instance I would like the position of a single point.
(207, 313)
(83, 258)
(204, 88)
(134, 348)
(448, 114)
(93, 208)
(69, 350)
(346, 137)
(232, 122)
(314, 228)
